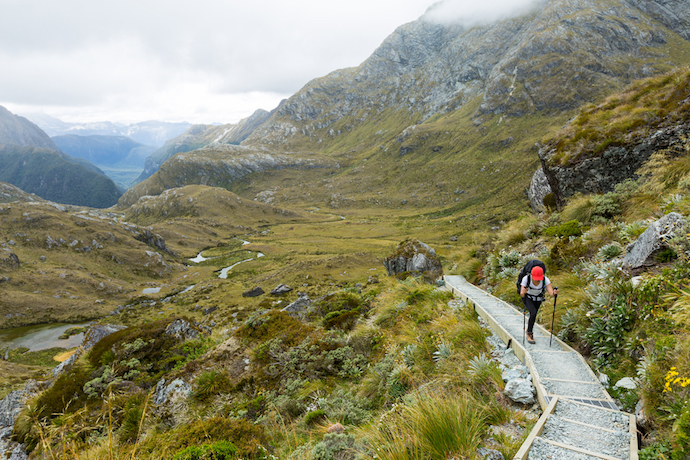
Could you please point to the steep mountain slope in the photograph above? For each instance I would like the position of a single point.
(562, 55)
(46, 173)
(199, 136)
(30, 160)
(18, 130)
(442, 109)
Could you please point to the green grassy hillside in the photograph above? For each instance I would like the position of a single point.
(47, 174)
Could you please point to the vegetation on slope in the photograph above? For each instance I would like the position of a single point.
(628, 327)
(405, 361)
(47, 174)
(625, 118)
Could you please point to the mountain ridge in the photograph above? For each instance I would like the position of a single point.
(435, 96)
(198, 136)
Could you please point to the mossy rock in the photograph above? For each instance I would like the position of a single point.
(414, 257)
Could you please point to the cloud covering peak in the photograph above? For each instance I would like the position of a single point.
(471, 13)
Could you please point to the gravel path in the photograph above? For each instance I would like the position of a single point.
(562, 372)
(615, 444)
(542, 450)
(588, 414)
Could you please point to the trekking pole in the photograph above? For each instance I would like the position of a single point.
(555, 297)
(524, 311)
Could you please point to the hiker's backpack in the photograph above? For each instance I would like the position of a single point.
(527, 271)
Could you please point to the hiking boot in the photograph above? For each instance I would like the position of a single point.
(530, 338)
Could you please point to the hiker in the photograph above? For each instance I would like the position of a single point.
(532, 289)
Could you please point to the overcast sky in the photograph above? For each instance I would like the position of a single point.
(202, 61)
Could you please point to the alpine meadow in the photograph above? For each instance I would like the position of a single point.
(299, 284)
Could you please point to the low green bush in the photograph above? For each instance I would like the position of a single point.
(567, 229)
(221, 450)
(211, 383)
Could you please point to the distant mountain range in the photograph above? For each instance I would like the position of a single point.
(146, 132)
(30, 160)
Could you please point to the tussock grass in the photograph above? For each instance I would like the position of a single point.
(436, 425)
(627, 117)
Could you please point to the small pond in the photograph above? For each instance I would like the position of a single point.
(40, 337)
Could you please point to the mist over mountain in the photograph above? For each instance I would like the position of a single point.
(105, 150)
(146, 132)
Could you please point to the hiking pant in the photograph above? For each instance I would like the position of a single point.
(532, 307)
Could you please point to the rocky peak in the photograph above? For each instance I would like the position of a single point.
(554, 59)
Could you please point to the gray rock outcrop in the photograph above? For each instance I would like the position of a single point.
(152, 239)
(281, 289)
(653, 239)
(10, 407)
(413, 256)
(520, 390)
(254, 292)
(93, 335)
(674, 14)
(182, 330)
(601, 173)
(176, 389)
(8, 259)
(298, 306)
(538, 189)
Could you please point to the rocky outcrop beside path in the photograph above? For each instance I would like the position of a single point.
(416, 258)
(601, 173)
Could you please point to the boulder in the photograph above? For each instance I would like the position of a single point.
(653, 239)
(520, 390)
(8, 259)
(182, 330)
(627, 383)
(281, 289)
(10, 407)
(96, 332)
(298, 306)
(538, 189)
(152, 239)
(413, 256)
(209, 310)
(256, 292)
(519, 372)
(176, 389)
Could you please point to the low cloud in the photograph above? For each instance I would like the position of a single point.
(471, 13)
(213, 60)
